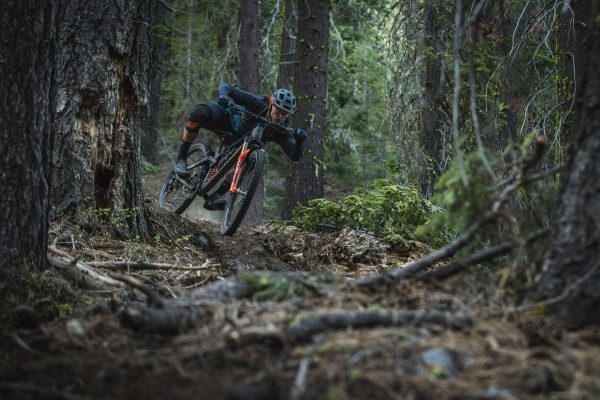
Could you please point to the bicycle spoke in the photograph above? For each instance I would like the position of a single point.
(177, 193)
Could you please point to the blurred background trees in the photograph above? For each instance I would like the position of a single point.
(412, 88)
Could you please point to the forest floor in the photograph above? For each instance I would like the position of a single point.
(78, 343)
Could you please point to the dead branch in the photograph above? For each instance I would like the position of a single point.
(171, 319)
(168, 6)
(482, 255)
(153, 299)
(143, 265)
(411, 269)
(543, 305)
(80, 273)
(307, 327)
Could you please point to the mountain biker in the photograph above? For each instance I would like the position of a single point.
(228, 126)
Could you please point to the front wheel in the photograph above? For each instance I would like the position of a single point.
(239, 201)
(176, 194)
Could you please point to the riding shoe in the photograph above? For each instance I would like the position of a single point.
(181, 168)
(217, 200)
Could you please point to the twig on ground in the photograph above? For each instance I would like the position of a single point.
(150, 266)
(154, 300)
(300, 381)
(81, 273)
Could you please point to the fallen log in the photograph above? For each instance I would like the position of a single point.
(305, 328)
(308, 327)
(167, 320)
(80, 273)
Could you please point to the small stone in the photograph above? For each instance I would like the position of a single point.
(440, 362)
(75, 328)
(496, 393)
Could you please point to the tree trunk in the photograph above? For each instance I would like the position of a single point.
(572, 262)
(150, 119)
(103, 66)
(305, 180)
(27, 48)
(250, 81)
(287, 51)
(432, 120)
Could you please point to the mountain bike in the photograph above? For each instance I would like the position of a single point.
(208, 170)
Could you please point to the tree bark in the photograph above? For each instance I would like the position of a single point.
(250, 81)
(103, 67)
(571, 264)
(287, 51)
(304, 181)
(27, 50)
(432, 120)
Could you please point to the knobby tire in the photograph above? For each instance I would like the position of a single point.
(239, 202)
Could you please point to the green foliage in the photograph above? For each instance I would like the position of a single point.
(358, 139)
(149, 168)
(464, 204)
(182, 240)
(390, 211)
(277, 287)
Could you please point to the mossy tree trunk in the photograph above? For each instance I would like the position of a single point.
(304, 181)
(572, 262)
(27, 35)
(104, 61)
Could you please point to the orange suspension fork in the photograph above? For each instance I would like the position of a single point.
(238, 167)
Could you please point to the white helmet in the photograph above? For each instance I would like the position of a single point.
(284, 100)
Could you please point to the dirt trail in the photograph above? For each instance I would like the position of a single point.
(77, 346)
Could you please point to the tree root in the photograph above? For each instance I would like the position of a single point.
(307, 327)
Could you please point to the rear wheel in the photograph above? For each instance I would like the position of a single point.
(238, 202)
(176, 194)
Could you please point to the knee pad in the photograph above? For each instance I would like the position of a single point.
(198, 117)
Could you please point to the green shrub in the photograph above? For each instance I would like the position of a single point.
(390, 211)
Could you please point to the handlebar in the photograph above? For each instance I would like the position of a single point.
(241, 110)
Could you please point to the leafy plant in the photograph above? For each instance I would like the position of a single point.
(390, 211)
(463, 203)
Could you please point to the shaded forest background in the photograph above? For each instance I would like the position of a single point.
(406, 99)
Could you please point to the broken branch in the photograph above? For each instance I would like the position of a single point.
(482, 255)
